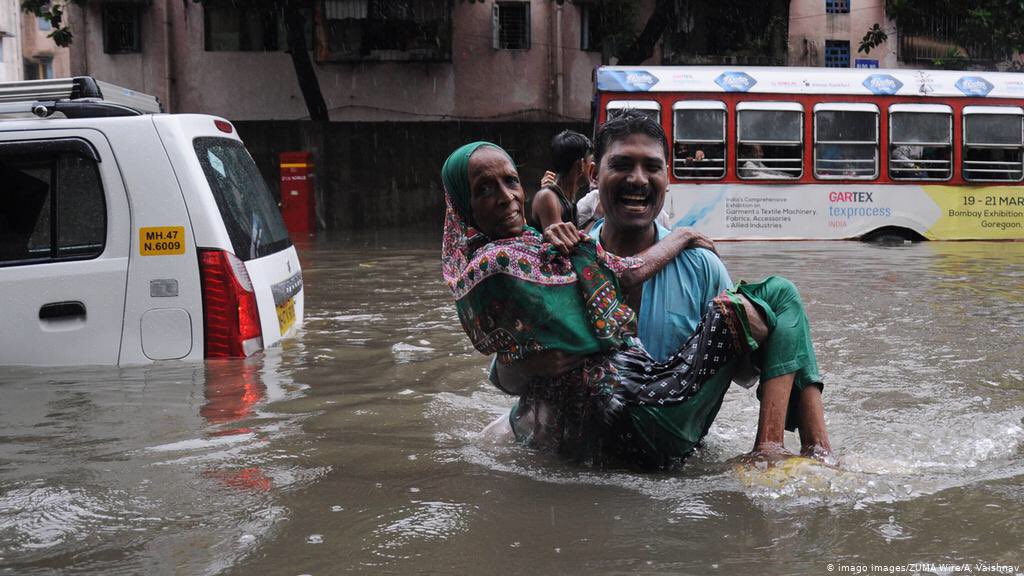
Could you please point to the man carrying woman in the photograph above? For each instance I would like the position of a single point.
(591, 392)
(630, 164)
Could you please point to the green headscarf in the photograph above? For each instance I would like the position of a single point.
(518, 296)
(455, 176)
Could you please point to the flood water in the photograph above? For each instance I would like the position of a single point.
(355, 448)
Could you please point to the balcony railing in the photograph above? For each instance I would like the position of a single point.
(936, 37)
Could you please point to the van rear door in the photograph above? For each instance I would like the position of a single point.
(256, 231)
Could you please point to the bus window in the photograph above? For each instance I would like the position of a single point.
(920, 142)
(993, 143)
(698, 143)
(846, 141)
(770, 141)
(648, 107)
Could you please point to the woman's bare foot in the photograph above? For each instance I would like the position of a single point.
(817, 452)
(770, 453)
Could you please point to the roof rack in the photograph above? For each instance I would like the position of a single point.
(78, 97)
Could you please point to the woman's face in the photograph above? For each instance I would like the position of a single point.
(495, 194)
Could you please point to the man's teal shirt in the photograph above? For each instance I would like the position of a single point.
(677, 297)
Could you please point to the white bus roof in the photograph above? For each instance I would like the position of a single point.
(784, 80)
(634, 104)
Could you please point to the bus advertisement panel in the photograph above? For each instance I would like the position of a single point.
(819, 153)
(824, 211)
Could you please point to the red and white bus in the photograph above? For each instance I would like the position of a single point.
(825, 153)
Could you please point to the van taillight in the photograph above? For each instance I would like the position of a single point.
(231, 318)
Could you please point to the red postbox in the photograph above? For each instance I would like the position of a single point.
(298, 204)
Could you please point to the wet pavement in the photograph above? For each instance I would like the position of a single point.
(355, 448)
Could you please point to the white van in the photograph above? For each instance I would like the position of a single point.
(128, 236)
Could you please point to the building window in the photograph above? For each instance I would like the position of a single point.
(511, 25)
(226, 29)
(384, 30)
(44, 24)
(52, 202)
(121, 29)
(39, 69)
(837, 53)
(837, 6)
(591, 27)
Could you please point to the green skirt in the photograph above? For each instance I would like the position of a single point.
(653, 435)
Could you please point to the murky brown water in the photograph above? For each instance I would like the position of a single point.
(354, 448)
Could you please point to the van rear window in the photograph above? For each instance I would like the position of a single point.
(250, 214)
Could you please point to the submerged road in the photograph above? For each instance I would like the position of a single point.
(354, 447)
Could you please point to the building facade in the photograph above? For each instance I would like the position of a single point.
(407, 80)
(26, 51)
(394, 60)
(10, 44)
(41, 57)
(828, 33)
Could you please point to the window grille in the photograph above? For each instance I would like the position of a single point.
(384, 30)
(837, 53)
(698, 142)
(920, 142)
(769, 139)
(121, 29)
(511, 25)
(846, 141)
(228, 29)
(837, 6)
(993, 143)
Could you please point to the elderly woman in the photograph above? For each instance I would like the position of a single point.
(519, 298)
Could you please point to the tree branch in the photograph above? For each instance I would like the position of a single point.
(643, 47)
(309, 84)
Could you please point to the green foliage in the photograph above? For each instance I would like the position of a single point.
(614, 24)
(874, 38)
(990, 25)
(52, 12)
(746, 29)
(954, 59)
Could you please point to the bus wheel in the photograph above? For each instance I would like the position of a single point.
(892, 235)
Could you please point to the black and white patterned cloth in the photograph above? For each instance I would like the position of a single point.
(644, 382)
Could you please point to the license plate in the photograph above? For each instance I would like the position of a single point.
(286, 315)
(284, 300)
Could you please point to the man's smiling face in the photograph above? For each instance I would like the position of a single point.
(632, 179)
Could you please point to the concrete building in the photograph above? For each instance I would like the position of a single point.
(828, 33)
(41, 57)
(10, 44)
(389, 60)
(26, 51)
